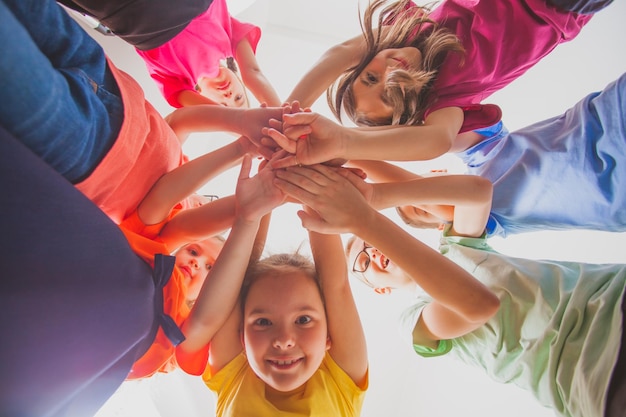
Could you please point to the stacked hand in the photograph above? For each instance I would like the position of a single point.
(308, 138)
(338, 198)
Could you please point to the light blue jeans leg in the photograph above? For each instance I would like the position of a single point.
(57, 94)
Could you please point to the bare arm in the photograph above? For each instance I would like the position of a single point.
(467, 197)
(326, 140)
(327, 69)
(199, 223)
(193, 98)
(211, 118)
(407, 143)
(252, 76)
(461, 303)
(380, 171)
(179, 183)
(348, 347)
(218, 297)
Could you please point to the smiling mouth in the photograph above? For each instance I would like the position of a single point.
(402, 63)
(186, 271)
(224, 85)
(284, 365)
(384, 261)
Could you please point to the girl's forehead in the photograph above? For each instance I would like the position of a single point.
(283, 288)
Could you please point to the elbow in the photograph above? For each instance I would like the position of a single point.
(486, 307)
(482, 188)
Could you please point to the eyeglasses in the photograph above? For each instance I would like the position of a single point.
(210, 197)
(362, 260)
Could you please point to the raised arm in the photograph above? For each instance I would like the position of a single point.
(327, 69)
(218, 297)
(253, 78)
(348, 346)
(211, 118)
(464, 200)
(461, 303)
(179, 183)
(193, 98)
(326, 140)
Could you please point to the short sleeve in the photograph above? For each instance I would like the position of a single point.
(193, 364)
(242, 30)
(408, 320)
(443, 347)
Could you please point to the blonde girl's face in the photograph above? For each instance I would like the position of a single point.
(225, 89)
(195, 260)
(369, 88)
(285, 332)
(375, 269)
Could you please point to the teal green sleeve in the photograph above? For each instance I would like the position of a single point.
(443, 347)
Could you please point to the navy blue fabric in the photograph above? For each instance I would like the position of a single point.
(76, 304)
(146, 24)
(163, 267)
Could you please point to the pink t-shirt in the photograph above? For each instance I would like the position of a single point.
(145, 149)
(196, 52)
(502, 40)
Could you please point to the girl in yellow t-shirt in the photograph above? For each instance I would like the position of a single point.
(291, 342)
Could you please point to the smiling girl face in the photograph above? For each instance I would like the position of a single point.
(225, 89)
(195, 260)
(285, 332)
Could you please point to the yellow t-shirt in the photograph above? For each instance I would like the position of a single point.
(329, 392)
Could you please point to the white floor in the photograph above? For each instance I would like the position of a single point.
(295, 33)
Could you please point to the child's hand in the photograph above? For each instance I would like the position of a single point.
(256, 196)
(339, 206)
(247, 147)
(254, 120)
(309, 137)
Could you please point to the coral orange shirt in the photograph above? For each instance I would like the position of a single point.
(145, 149)
(145, 242)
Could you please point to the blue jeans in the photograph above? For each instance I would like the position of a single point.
(57, 94)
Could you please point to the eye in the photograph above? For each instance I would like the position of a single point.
(262, 322)
(371, 78)
(304, 320)
(238, 97)
(193, 252)
(208, 267)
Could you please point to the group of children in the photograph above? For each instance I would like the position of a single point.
(282, 335)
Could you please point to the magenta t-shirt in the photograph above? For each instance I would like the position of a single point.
(196, 52)
(502, 40)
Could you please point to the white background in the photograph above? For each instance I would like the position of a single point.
(295, 34)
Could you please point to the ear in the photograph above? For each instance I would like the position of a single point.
(328, 342)
(383, 290)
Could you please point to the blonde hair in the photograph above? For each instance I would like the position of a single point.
(279, 264)
(408, 92)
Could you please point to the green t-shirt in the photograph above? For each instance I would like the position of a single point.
(557, 332)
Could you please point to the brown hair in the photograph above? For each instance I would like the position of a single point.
(409, 92)
(279, 264)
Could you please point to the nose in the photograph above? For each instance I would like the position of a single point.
(193, 262)
(228, 93)
(283, 340)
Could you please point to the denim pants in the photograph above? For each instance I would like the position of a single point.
(57, 94)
